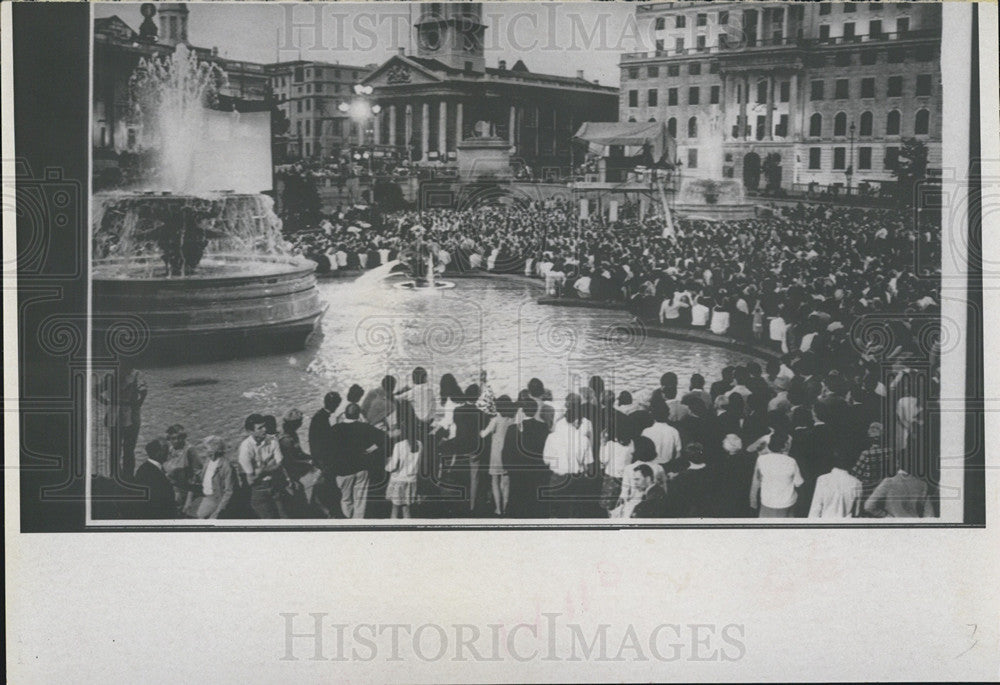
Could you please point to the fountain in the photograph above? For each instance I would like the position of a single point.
(421, 266)
(192, 248)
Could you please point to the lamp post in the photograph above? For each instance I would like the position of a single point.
(849, 172)
(361, 110)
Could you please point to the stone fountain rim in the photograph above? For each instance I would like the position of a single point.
(297, 267)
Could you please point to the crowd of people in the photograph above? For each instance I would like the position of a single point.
(779, 441)
(846, 299)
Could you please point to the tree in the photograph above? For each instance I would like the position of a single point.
(280, 125)
(909, 168)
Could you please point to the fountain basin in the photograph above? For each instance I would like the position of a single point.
(233, 305)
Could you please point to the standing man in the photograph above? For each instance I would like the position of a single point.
(260, 460)
(355, 445)
(421, 398)
(124, 402)
(159, 500)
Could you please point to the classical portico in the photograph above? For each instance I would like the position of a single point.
(432, 101)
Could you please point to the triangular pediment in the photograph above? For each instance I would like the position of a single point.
(400, 71)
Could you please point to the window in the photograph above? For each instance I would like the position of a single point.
(842, 59)
(661, 23)
(699, 42)
(693, 127)
(694, 69)
(319, 87)
(891, 160)
(761, 92)
(674, 70)
(816, 90)
(922, 122)
(298, 128)
(784, 91)
(679, 44)
(824, 8)
(713, 67)
(694, 95)
(875, 28)
(816, 125)
(692, 158)
(868, 87)
(672, 96)
(131, 139)
(814, 155)
(895, 88)
(869, 57)
(842, 88)
(866, 124)
(651, 97)
(902, 25)
(653, 72)
(713, 95)
(633, 98)
(298, 74)
(309, 73)
(848, 30)
(701, 19)
(782, 128)
(308, 150)
(875, 7)
(761, 128)
(298, 106)
(864, 158)
(824, 31)
(892, 123)
(633, 73)
(672, 127)
(840, 124)
(849, 7)
(309, 88)
(308, 127)
(309, 104)
(923, 84)
(897, 55)
(660, 47)
(681, 21)
(839, 158)
(723, 18)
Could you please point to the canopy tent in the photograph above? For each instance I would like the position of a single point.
(653, 134)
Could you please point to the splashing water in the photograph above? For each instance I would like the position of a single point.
(171, 98)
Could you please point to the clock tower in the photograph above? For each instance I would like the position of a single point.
(452, 33)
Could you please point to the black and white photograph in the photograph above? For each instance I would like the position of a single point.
(513, 341)
(444, 278)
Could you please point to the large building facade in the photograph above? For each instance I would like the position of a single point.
(309, 95)
(432, 101)
(832, 88)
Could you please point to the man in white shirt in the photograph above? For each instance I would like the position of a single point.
(700, 314)
(260, 459)
(837, 494)
(582, 286)
(665, 437)
(775, 479)
(421, 397)
(568, 455)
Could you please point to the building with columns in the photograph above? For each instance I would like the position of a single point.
(432, 101)
(832, 88)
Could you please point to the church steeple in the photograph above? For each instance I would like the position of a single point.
(452, 33)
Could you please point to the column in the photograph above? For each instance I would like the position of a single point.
(459, 136)
(785, 23)
(408, 130)
(443, 129)
(723, 96)
(512, 127)
(538, 128)
(377, 129)
(555, 130)
(425, 130)
(769, 113)
(392, 125)
(743, 106)
(793, 108)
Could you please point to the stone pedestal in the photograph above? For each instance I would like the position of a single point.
(484, 158)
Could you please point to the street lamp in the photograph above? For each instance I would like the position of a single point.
(361, 110)
(849, 172)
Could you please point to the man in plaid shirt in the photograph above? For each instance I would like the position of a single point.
(873, 463)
